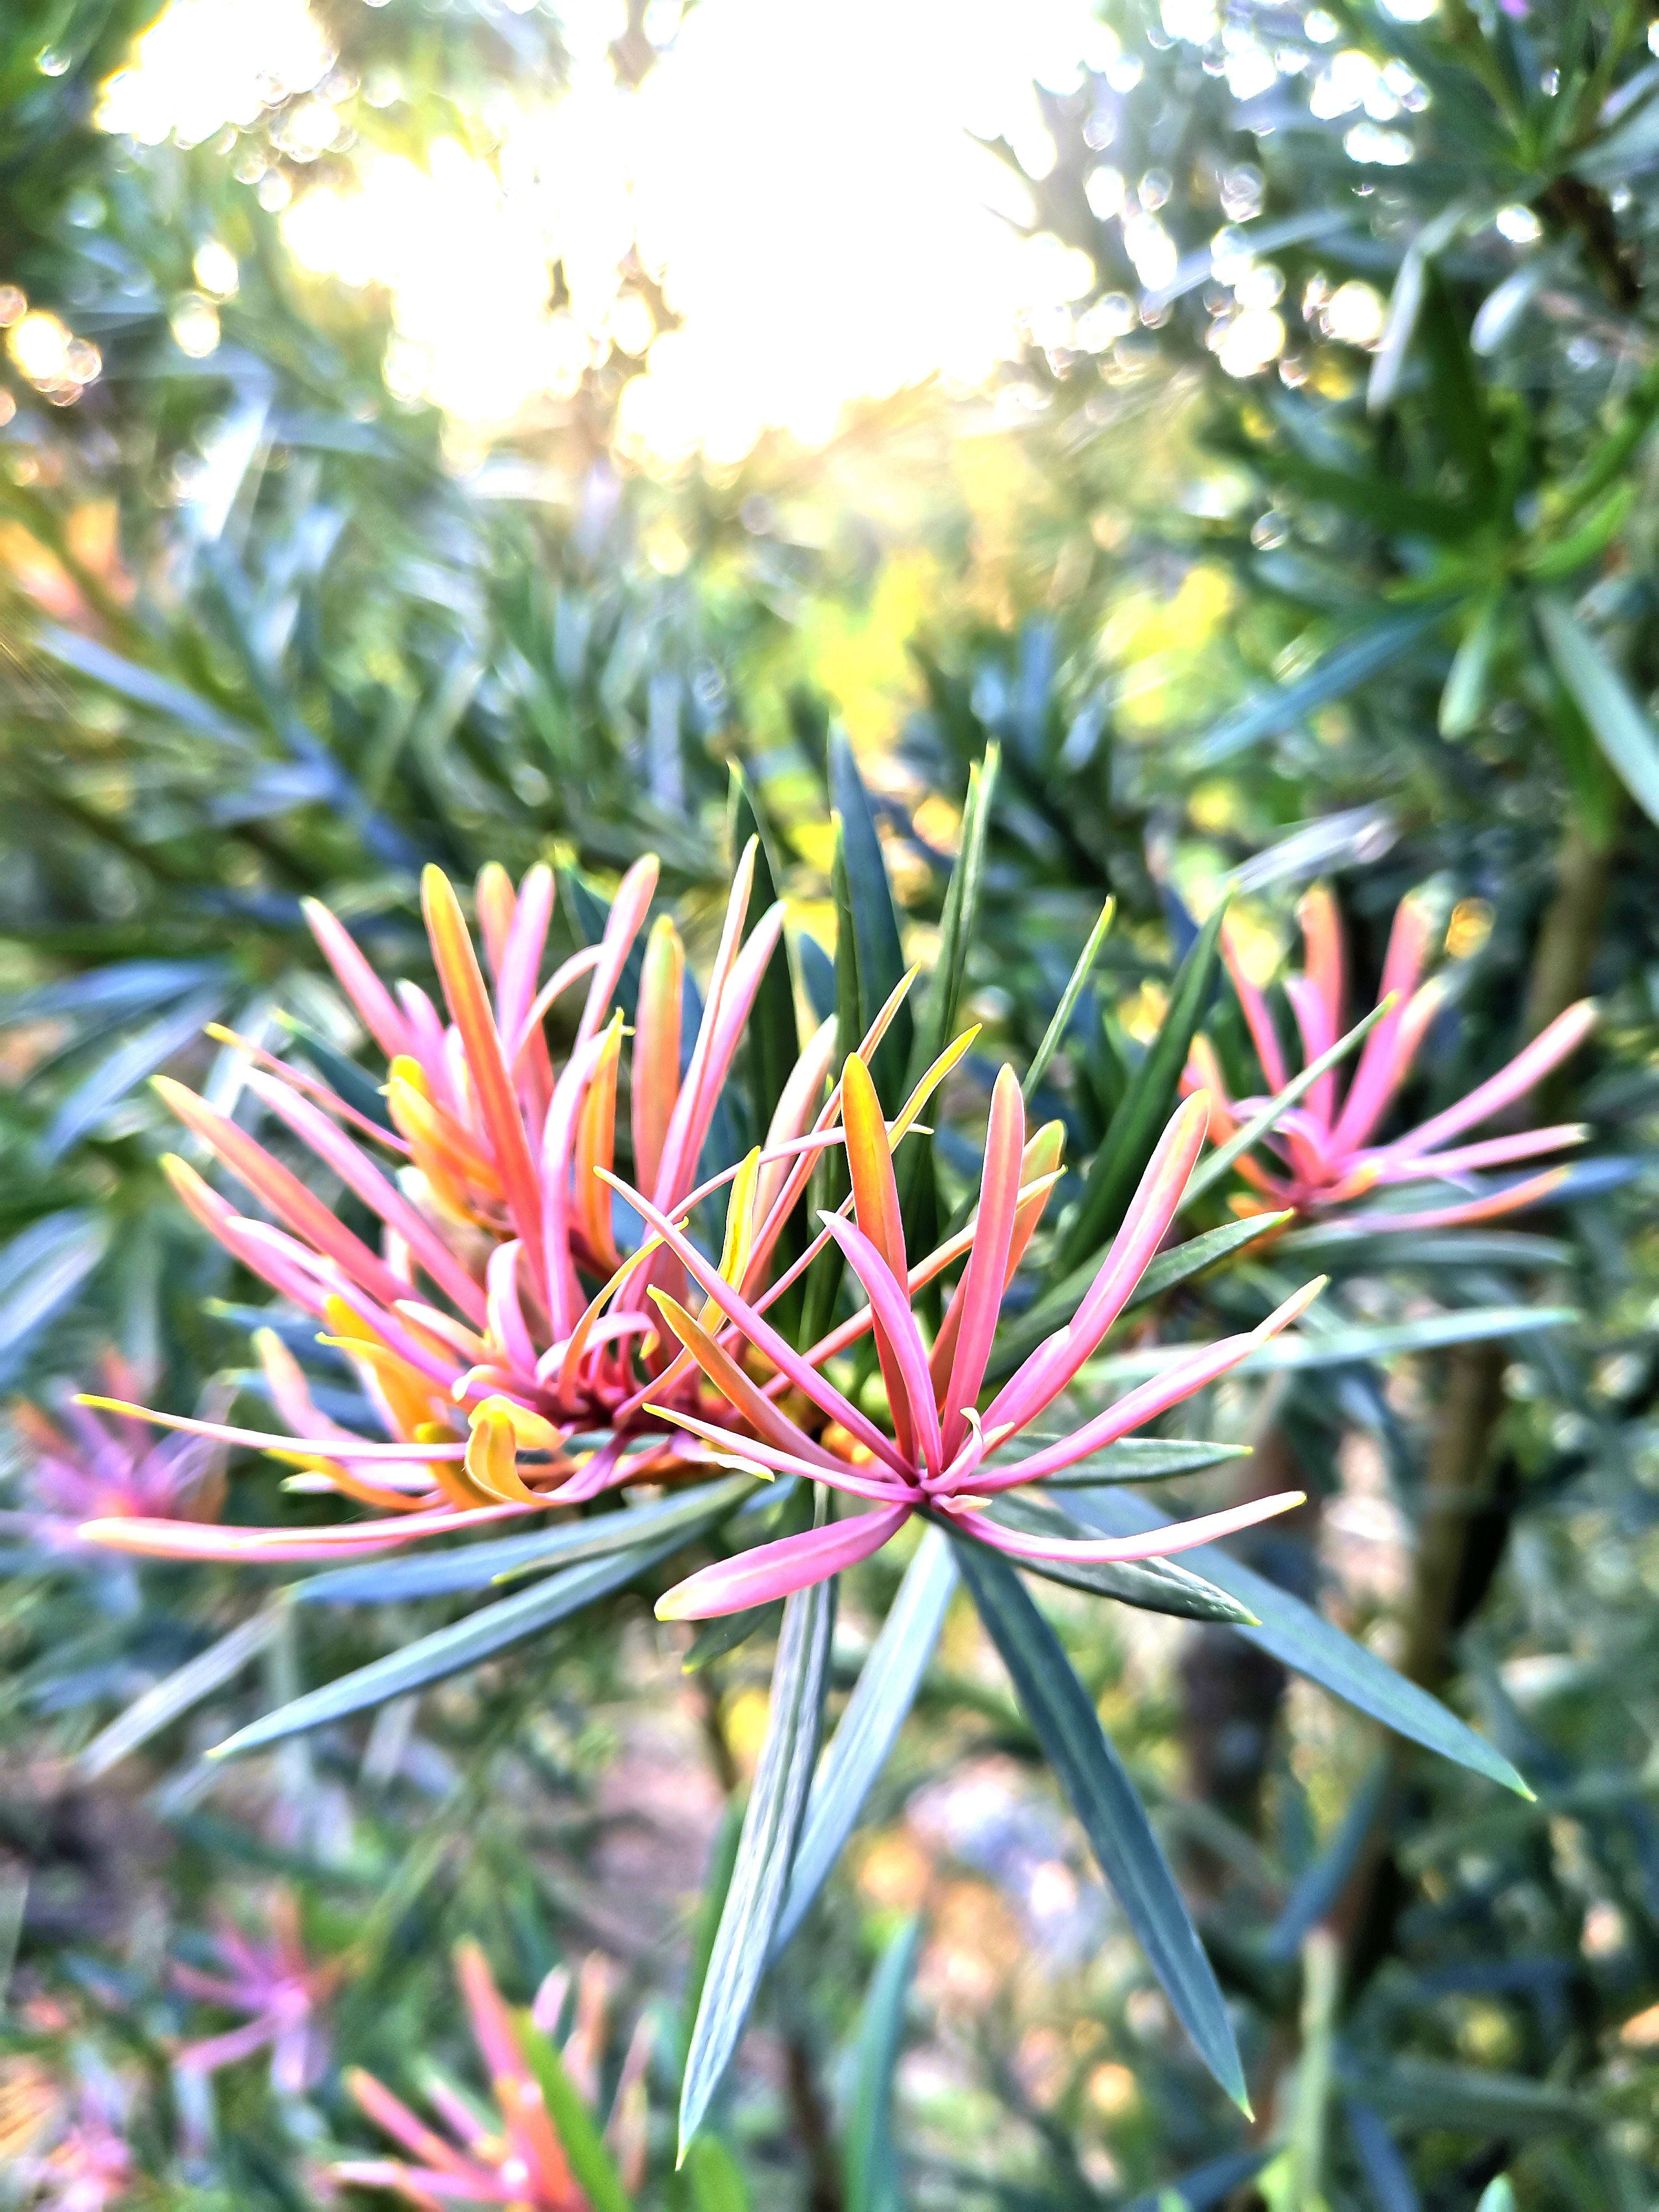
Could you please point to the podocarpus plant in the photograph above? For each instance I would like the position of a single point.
(517, 1337)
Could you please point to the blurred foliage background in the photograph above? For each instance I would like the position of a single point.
(1302, 532)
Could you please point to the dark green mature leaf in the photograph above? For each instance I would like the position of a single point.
(1104, 1799)
(869, 2157)
(687, 1513)
(936, 1019)
(1472, 2101)
(591, 2166)
(766, 1848)
(1617, 722)
(1153, 1585)
(874, 921)
(1147, 1104)
(449, 1650)
(1346, 666)
(354, 1084)
(1183, 1262)
(1299, 1638)
(772, 1039)
(1061, 1019)
(1455, 393)
(1142, 1459)
(883, 1696)
(727, 1631)
(936, 1022)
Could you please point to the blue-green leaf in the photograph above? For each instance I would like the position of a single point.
(441, 1574)
(124, 1069)
(1340, 671)
(1139, 1459)
(871, 2157)
(449, 1650)
(1146, 1105)
(145, 688)
(1063, 1717)
(743, 1942)
(883, 1696)
(1617, 722)
(40, 1271)
(1153, 1585)
(1301, 1638)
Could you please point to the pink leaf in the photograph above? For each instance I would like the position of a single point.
(773, 1571)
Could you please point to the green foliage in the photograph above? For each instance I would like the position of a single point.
(1381, 609)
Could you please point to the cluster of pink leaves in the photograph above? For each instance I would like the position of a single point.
(519, 1358)
(1327, 1143)
(515, 2157)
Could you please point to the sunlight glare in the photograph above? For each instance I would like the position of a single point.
(808, 197)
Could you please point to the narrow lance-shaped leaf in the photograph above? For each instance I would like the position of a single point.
(722, 1857)
(441, 1574)
(591, 2167)
(1341, 1347)
(871, 2157)
(1062, 1021)
(1617, 722)
(874, 920)
(1178, 1265)
(882, 1698)
(136, 1056)
(1063, 1717)
(1301, 1638)
(449, 1650)
(935, 1021)
(1140, 1459)
(1464, 697)
(175, 1695)
(1152, 1585)
(1146, 1105)
(766, 1849)
(1340, 671)
(40, 1271)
